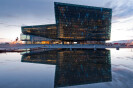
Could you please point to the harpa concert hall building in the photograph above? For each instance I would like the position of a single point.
(75, 24)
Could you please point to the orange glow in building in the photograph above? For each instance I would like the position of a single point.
(45, 42)
(16, 42)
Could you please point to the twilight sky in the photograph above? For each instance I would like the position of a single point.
(17, 13)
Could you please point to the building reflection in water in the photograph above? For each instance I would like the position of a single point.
(75, 67)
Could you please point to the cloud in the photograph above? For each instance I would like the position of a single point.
(131, 29)
(2, 38)
(13, 25)
(123, 9)
(11, 16)
(1, 23)
(9, 25)
(108, 4)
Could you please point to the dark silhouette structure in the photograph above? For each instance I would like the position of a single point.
(74, 23)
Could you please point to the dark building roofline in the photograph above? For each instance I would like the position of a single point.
(40, 25)
(67, 4)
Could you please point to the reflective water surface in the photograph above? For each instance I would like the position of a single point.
(77, 68)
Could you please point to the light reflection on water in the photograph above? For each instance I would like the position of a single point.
(65, 68)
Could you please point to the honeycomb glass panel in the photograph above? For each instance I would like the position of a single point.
(77, 22)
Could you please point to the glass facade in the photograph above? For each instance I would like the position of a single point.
(77, 22)
(32, 39)
(48, 31)
(25, 37)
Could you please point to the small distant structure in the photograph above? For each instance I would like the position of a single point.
(130, 44)
(16, 39)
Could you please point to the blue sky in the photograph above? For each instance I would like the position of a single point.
(17, 13)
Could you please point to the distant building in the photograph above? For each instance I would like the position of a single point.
(74, 24)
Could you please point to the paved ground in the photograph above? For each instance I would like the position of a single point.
(8, 47)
